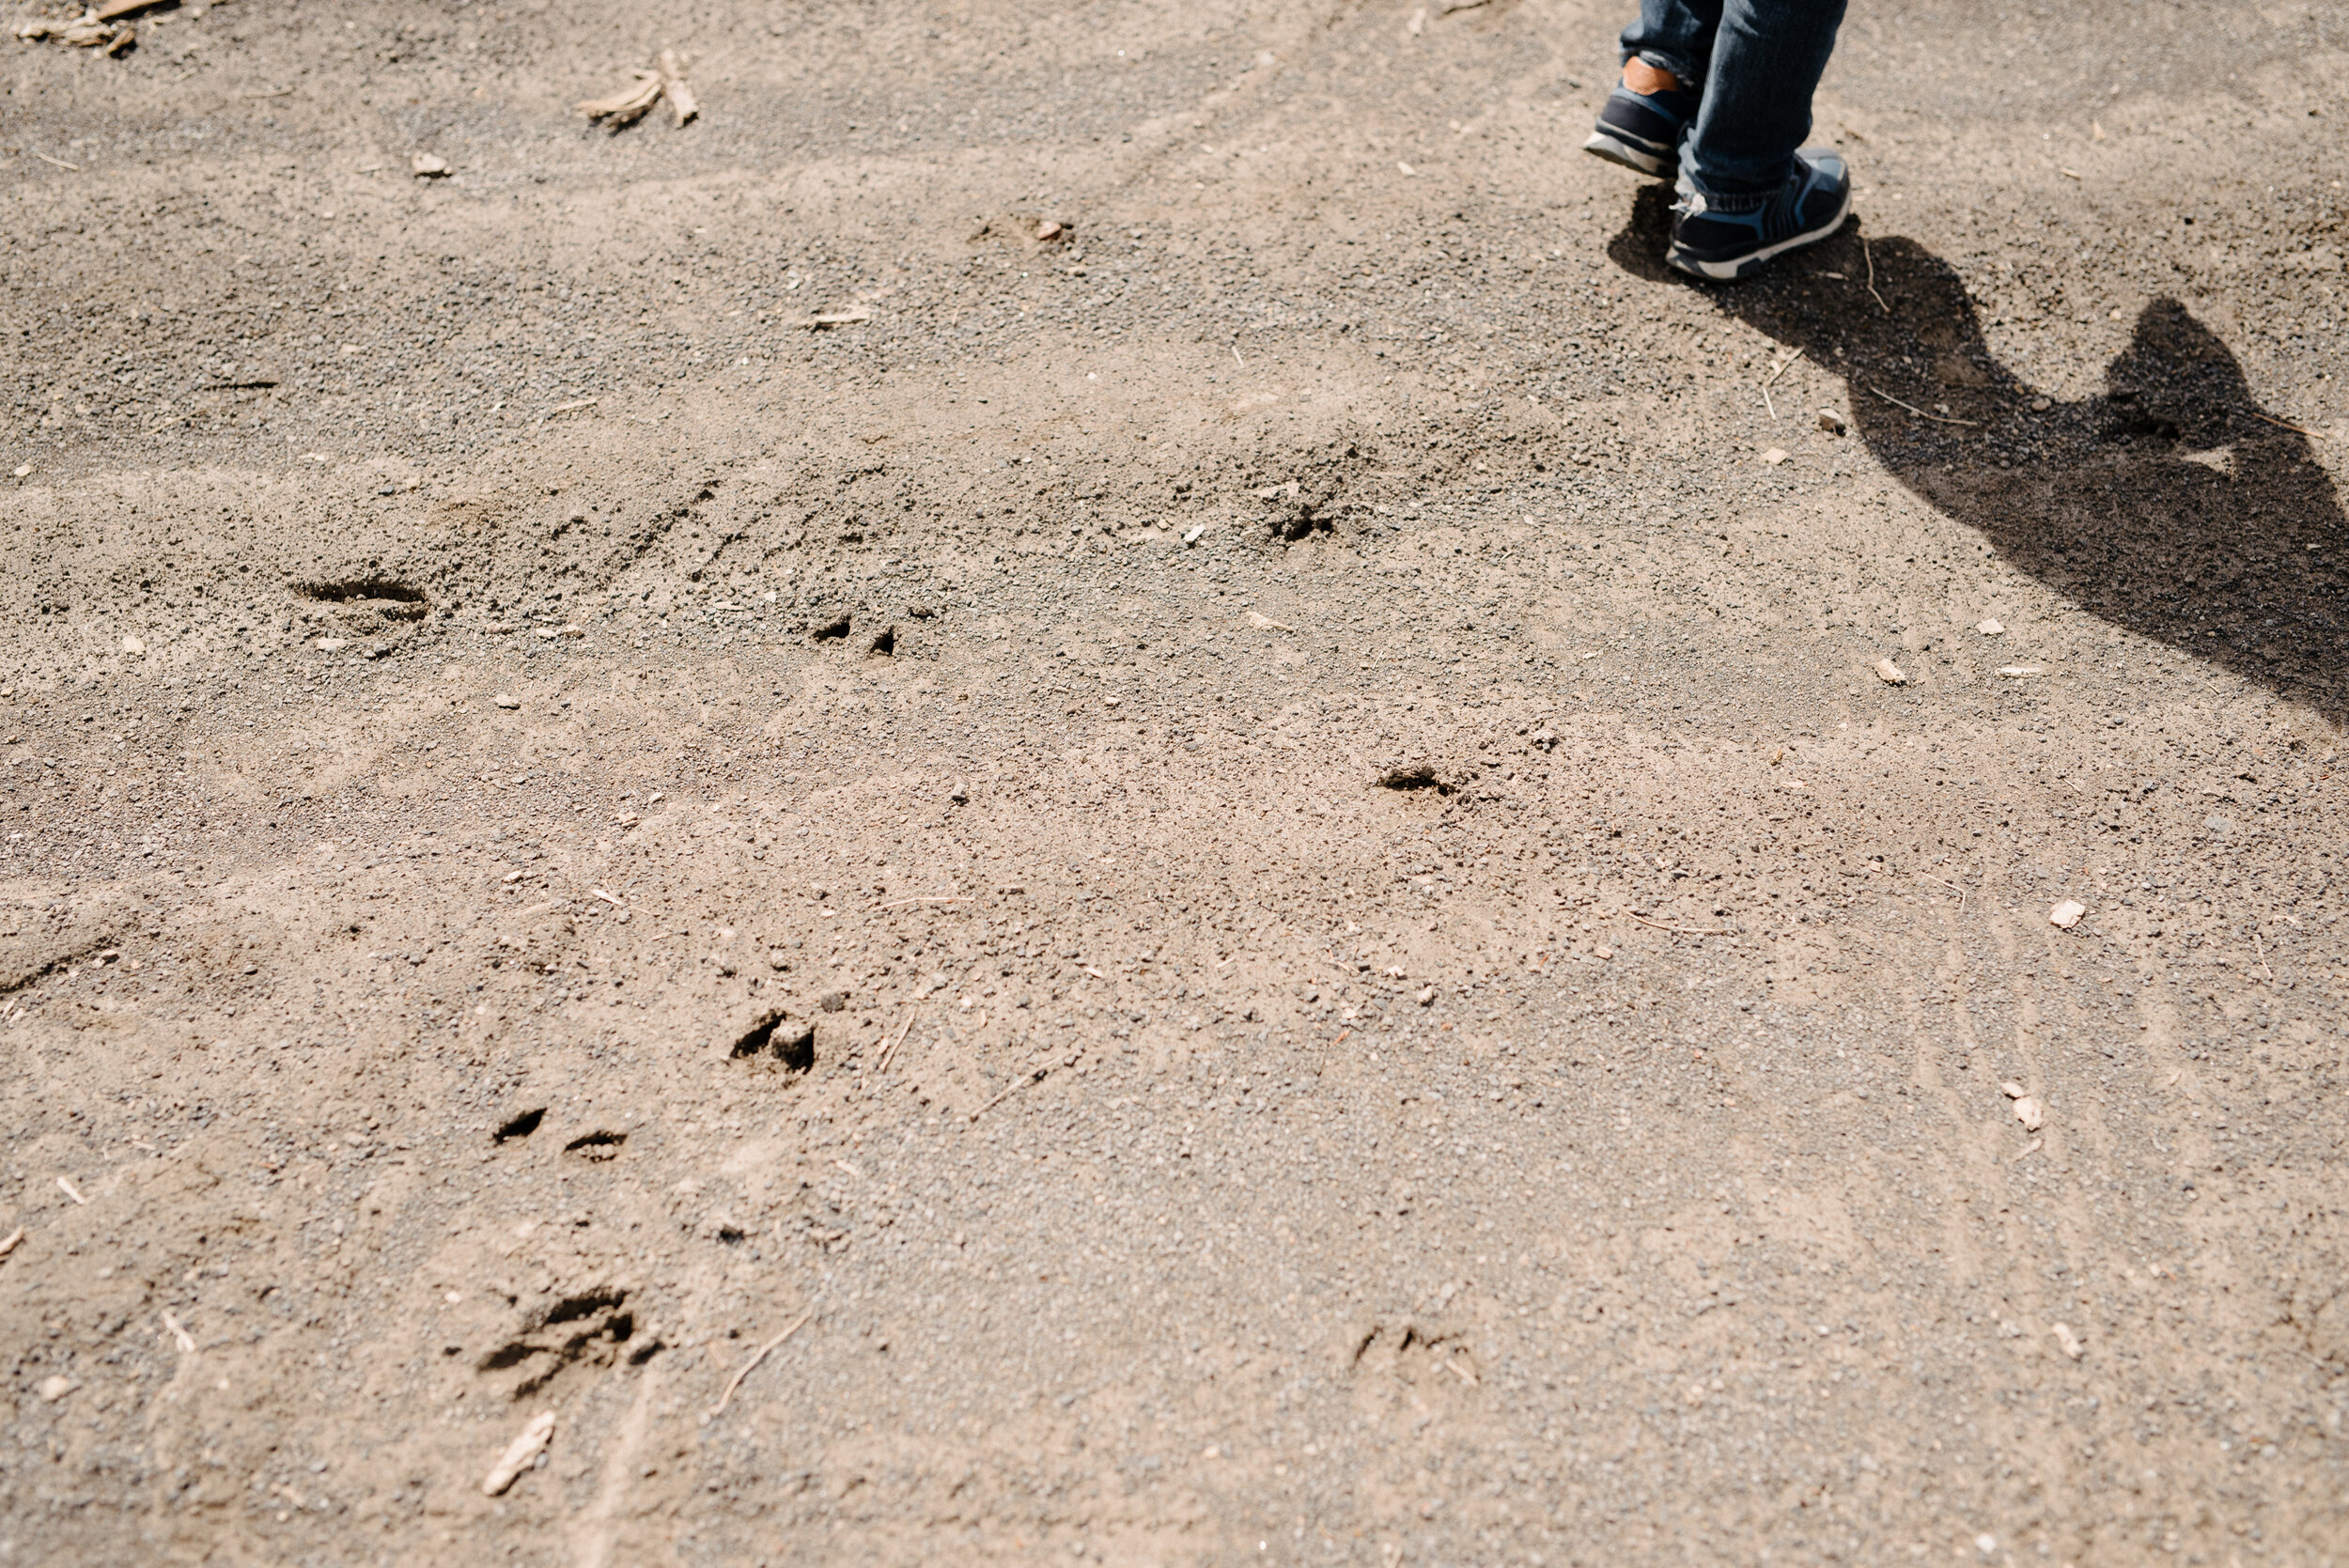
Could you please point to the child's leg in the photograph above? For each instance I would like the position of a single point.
(1646, 117)
(1675, 36)
(1766, 58)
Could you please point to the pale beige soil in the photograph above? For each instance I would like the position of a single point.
(562, 823)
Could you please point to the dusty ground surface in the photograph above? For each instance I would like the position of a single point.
(562, 822)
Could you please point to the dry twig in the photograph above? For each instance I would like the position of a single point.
(1870, 257)
(880, 1064)
(2282, 425)
(748, 1367)
(1936, 418)
(1034, 1075)
(1681, 930)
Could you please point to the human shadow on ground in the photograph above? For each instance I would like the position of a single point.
(2170, 504)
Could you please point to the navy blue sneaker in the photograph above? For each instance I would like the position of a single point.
(1642, 130)
(1813, 202)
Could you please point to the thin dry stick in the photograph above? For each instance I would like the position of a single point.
(748, 1367)
(1681, 930)
(1952, 886)
(1784, 366)
(1766, 402)
(59, 162)
(2282, 425)
(2263, 957)
(1936, 418)
(1870, 257)
(901, 903)
(881, 1065)
(1036, 1077)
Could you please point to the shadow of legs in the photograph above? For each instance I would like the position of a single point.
(2170, 504)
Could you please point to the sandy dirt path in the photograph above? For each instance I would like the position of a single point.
(1115, 706)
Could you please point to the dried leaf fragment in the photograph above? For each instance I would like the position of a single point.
(520, 1454)
(682, 105)
(628, 105)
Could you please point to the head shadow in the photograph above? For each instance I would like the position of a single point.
(2169, 503)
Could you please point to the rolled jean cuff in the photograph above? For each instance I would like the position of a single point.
(1738, 198)
(1689, 72)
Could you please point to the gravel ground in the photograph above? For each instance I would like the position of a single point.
(1272, 859)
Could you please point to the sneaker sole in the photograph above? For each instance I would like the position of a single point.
(1616, 150)
(1739, 267)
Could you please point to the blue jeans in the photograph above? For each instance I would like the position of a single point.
(1756, 63)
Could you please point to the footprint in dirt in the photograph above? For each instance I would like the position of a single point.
(2170, 504)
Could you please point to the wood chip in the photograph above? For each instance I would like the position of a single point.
(2072, 1343)
(2067, 914)
(13, 1240)
(2029, 1112)
(2021, 672)
(520, 1454)
(1265, 623)
(424, 166)
(1989, 628)
(1890, 673)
